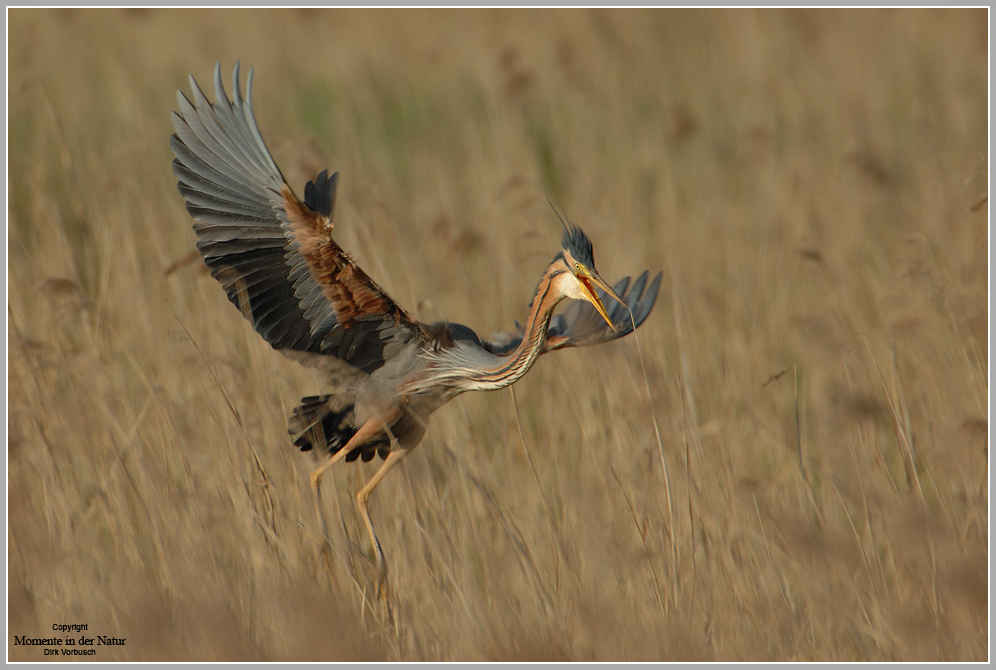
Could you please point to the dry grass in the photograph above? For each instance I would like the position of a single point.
(813, 186)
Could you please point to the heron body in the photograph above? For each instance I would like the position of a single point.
(387, 373)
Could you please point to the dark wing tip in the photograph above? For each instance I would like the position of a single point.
(646, 303)
(319, 195)
(639, 299)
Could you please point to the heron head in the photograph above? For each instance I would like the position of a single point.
(581, 277)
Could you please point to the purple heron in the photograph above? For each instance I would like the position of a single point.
(276, 259)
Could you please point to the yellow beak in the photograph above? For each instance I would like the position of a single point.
(593, 278)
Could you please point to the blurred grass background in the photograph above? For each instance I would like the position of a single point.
(813, 185)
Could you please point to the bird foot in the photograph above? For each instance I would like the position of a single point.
(385, 600)
(325, 561)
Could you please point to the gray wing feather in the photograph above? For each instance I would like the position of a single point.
(234, 195)
(235, 191)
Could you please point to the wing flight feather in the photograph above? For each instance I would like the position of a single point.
(274, 254)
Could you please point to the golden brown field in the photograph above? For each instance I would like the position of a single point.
(813, 185)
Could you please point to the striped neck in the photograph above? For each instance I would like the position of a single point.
(510, 369)
(470, 367)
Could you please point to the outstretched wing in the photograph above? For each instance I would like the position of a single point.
(274, 254)
(580, 325)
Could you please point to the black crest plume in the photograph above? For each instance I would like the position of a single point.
(574, 241)
(579, 245)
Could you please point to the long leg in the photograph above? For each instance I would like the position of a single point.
(361, 499)
(365, 432)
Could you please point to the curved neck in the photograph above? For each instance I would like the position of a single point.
(509, 369)
(471, 367)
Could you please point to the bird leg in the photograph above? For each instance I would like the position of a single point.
(366, 431)
(361, 499)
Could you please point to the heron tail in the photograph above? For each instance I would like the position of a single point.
(328, 422)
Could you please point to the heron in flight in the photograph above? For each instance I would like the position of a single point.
(276, 259)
